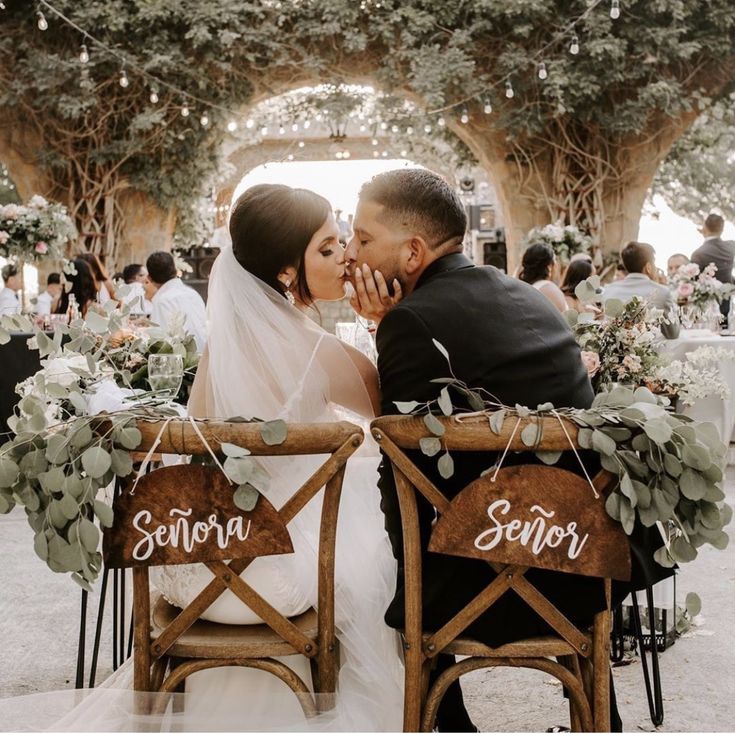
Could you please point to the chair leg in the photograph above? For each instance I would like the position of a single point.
(115, 592)
(82, 641)
(601, 671)
(414, 679)
(617, 638)
(653, 687)
(324, 671)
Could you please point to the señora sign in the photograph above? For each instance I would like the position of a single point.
(536, 516)
(186, 514)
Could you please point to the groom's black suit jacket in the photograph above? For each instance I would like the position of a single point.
(506, 337)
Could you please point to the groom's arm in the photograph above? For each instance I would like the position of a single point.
(407, 362)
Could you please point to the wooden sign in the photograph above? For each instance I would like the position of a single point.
(537, 516)
(186, 514)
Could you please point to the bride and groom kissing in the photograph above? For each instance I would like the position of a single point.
(264, 357)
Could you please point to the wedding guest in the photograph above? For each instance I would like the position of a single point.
(134, 276)
(9, 303)
(103, 283)
(537, 269)
(171, 297)
(675, 262)
(718, 251)
(620, 273)
(578, 270)
(639, 260)
(83, 287)
(47, 300)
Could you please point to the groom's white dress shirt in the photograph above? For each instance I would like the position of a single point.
(174, 298)
(9, 303)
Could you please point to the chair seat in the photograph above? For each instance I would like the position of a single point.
(213, 640)
(531, 647)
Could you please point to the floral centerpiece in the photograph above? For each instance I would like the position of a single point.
(564, 240)
(699, 293)
(619, 346)
(37, 231)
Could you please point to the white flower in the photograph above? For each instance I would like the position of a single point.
(58, 369)
(632, 362)
(4, 236)
(38, 201)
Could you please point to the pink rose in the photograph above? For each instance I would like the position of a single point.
(41, 248)
(591, 362)
(685, 290)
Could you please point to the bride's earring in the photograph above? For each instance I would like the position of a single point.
(289, 296)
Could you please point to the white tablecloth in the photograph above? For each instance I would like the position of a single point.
(713, 409)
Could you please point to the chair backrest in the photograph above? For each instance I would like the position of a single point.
(520, 517)
(186, 514)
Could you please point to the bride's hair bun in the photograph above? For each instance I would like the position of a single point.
(271, 226)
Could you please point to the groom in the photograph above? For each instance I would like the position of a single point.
(501, 335)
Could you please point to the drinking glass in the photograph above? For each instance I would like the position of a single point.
(165, 373)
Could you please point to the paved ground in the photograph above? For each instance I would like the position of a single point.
(39, 613)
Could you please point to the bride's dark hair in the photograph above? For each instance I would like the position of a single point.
(271, 226)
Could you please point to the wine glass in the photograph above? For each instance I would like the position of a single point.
(165, 373)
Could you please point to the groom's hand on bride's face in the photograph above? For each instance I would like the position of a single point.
(372, 298)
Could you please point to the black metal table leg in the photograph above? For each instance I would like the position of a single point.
(82, 639)
(98, 629)
(617, 638)
(653, 687)
(121, 627)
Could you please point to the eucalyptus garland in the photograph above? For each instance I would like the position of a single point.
(670, 468)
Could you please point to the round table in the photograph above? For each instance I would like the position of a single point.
(712, 409)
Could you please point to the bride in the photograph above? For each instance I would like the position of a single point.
(266, 358)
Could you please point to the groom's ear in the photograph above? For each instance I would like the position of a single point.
(415, 255)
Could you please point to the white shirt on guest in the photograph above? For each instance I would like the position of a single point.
(43, 303)
(136, 297)
(173, 298)
(9, 303)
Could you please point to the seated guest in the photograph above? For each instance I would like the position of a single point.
(9, 303)
(47, 300)
(718, 251)
(103, 283)
(537, 269)
(578, 270)
(639, 259)
(83, 288)
(170, 297)
(675, 262)
(134, 275)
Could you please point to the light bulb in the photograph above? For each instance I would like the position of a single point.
(427, 128)
(574, 45)
(542, 72)
(84, 54)
(404, 153)
(185, 110)
(204, 120)
(290, 156)
(487, 107)
(281, 130)
(409, 130)
(615, 9)
(124, 81)
(250, 124)
(231, 126)
(346, 154)
(295, 127)
(394, 128)
(441, 122)
(383, 125)
(154, 96)
(42, 22)
(263, 131)
(307, 124)
(301, 143)
(384, 154)
(338, 154)
(363, 128)
(375, 154)
(374, 141)
(464, 118)
(509, 93)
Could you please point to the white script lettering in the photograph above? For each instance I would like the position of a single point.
(533, 532)
(181, 531)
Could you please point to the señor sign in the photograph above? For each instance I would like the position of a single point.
(186, 514)
(543, 517)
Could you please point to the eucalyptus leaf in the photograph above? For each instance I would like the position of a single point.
(682, 551)
(57, 450)
(626, 487)
(430, 446)
(496, 420)
(693, 604)
(612, 505)
(549, 457)
(52, 480)
(603, 444)
(531, 434)
(104, 513)
(441, 349)
(445, 402)
(96, 461)
(273, 433)
(663, 558)
(238, 469)
(627, 515)
(692, 484)
(434, 424)
(121, 463)
(40, 545)
(97, 323)
(129, 437)
(8, 472)
(82, 435)
(246, 497)
(698, 457)
(229, 449)
(89, 535)
(672, 465)
(658, 430)
(446, 465)
(648, 516)
(406, 407)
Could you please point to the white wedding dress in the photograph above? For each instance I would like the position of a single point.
(267, 360)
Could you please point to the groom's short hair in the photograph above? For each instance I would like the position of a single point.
(420, 200)
(636, 255)
(161, 267)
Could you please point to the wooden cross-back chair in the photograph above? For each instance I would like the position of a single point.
(170, 643)
(467, 526)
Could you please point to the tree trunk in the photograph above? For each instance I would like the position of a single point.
(145, 228)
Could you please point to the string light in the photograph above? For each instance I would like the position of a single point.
(427, 128)
(465, 117)
(615, 9)
(250, 124)
(295, 127)
(574, 45)
(509, 93)
(154, 96)
(374, 141)
(363, 128)
(301, 143)
(204, 120)
(231, 126)
(281, 130)
(84, 54)
(394, 128)
(487, 107)
(124, 81)
(263, 131)
(375, 154)
(307, 124)
(441, 122)
(42, 22)
(409, 130)
(185, 110)
(542, 72)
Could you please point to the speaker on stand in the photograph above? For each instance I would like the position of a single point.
(201, 260)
